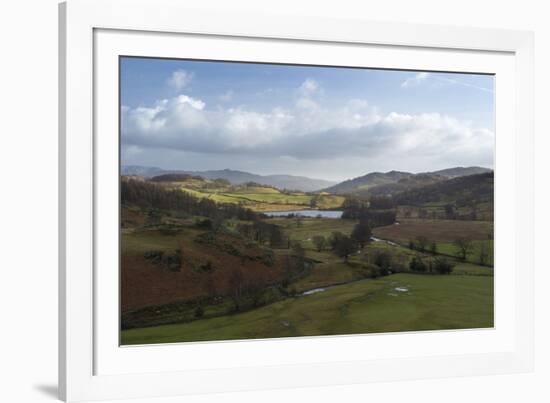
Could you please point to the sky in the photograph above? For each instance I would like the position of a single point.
(331, 123)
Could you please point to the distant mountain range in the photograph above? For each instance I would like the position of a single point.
(374, 183)
(290, 182)
(394, 181)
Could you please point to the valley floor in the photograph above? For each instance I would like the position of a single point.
(347, 300)
(399, 302)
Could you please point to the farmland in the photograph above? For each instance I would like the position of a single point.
(255, 196)
(441, 230)
(443, 233)
(199, 261)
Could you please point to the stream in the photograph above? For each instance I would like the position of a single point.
(328, 287)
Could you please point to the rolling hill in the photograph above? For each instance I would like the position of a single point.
(235, 177)
(462, 190)
(402, 185)
(392, 182)
(460, 171)
(365, 182)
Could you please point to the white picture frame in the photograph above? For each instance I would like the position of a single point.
(93, 33)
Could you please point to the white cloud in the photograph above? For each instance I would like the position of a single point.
(415, 80)
(180, 79)
(309, 86)
(195, 103)
(307, 132)
(306, 103)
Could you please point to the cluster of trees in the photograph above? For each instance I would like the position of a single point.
(343, 245)
(381, 202)
(423, 244)
(243, 290)
(175, 178)
(387, 261)
(463, 190)
(384, 260)
(464, 247)
(436, 265)
(151, 195)
(263, 232)
(355, 208)
(469, 210)
(171, 261)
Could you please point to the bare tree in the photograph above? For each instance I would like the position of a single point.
(422, 242)
(464, 246)
(484, 253)
(236, 284)
(210, 286)
(320, 242)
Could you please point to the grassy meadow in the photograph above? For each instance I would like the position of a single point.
(366, 306)
(261, 198)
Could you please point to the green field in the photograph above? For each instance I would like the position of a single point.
(444, 233)
(449, 248)
(266, 199)
(304, 229)
(399, 302)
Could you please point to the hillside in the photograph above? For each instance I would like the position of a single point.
(250, 195)
(392, 182)
(461, 171)
(235, 177)
(367, 181)
(461, 190)
(403, 185)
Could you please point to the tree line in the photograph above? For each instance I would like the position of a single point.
(151, 195)
(376, 212)
(464, 247)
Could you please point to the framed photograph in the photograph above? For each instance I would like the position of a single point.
(247, 207)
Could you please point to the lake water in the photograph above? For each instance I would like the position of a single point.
(306, 213)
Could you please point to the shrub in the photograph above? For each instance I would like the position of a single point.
(384, 261)
(417, 265)
(155, 256)
(205, 223)
(320, 242)
(173, 262)
(199, 312)
(442, 266)
(422, 242)
(206, 267)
